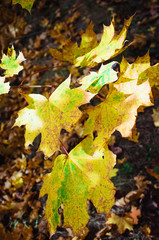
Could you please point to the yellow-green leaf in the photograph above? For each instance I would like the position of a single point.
(49, 116)
(151, 74)
(95, 81)
(132, 71)
(4, 87)
(76, 178)
(27, 4)
(118, 111)
(10, 63)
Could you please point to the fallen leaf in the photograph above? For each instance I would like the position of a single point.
(152, 172)
(155, 117)
(122, 223)
(134, 214)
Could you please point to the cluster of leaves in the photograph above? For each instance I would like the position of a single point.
(84, 173)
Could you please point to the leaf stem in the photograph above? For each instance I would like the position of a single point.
(23, 95)
(63, 147)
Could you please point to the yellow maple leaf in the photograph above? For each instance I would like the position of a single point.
(91, 52)
(118, 111)
(130, 72)
(82, 175)
(139, 96)
(141, 70)
(49, 116)
(110, 46)
(151, 74)
(10, 63)
(71, 51)
(123, 223)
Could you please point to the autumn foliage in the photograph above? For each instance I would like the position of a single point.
(84, 173)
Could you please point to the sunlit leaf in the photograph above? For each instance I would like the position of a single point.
(118, 111)
(90, 52)
(10, 63)
(71, 50)
(110, 46)
(4, 87)
(76, 178)
(49, 116)
(132, 71)
(96, 80)
(151, 74)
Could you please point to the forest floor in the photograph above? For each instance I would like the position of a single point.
(21, 169)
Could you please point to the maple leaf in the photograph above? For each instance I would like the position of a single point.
(49, 116)
(132, 71)
(71, 50)
(118, 111)
(151, 74)
(139, 97)
(95, 81)
(4, 87)
(90, 52)
(27, 4)
(104, 117)
(110, 46)
(10, 63)
(123, 223)
(82, 175)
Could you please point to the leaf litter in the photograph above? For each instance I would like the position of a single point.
(19, 226)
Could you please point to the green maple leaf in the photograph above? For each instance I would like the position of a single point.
(27, 4)
(95, 81)
(82, 175)
(4, 87)
(10, 63)
(49, 116)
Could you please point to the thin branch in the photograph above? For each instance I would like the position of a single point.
(42, 71)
